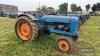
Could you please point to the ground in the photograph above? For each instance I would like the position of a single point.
(87, 44)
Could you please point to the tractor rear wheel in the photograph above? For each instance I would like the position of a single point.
(26, 29)
(64, 44)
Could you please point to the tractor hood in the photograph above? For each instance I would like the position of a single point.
(60, 19)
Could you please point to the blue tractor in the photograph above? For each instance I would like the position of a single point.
(83, 16)
(87, 15)
(29, 27)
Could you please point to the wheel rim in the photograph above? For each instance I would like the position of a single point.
(24, 29)
(63, 45)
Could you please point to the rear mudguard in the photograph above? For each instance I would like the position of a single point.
(31, 17)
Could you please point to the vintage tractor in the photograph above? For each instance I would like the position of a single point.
(82, 17)
(29, 27)
(13, 15)
(3, 14)
(87, 15)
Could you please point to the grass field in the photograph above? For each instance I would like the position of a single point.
(88, 43)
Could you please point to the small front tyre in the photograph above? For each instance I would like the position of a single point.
(64, 44)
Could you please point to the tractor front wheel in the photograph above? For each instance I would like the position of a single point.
(64, 44)
(26, 29)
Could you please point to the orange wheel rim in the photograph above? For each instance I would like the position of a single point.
(24, 30)
(63, 45)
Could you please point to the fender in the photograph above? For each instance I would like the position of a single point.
(31, 17)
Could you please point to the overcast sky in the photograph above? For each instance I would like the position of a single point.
(30, 5)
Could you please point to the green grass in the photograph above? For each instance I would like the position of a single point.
(11, 45)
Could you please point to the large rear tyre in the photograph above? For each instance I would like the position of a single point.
(64, 44)
(26, 29)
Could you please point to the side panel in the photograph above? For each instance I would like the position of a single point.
(73, 22)
(73, 26)
(52, 18)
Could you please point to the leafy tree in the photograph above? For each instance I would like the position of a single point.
(87, 7)
(50, 10)
(63, 8)
(98, 7)
(73, 7)
(94, 8)
(79, 8)
(38, 9)
(42, 9)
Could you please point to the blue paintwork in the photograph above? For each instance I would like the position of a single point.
(81, 16)
(52, 19)
(45, 20)
(73, 22)
(84, 15)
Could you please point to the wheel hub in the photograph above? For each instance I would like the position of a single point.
(63, 45)
(24, 30)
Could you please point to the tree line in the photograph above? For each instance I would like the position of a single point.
(63, 8)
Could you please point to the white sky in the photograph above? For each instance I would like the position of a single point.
(30, 5)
